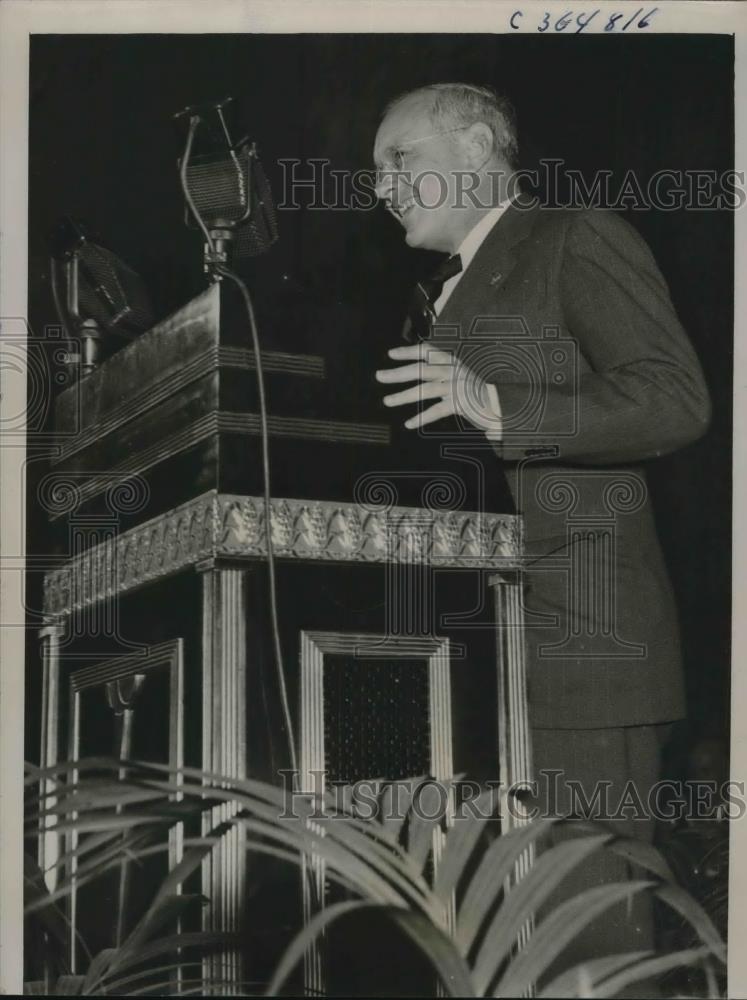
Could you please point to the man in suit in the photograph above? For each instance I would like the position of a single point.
(551, 333)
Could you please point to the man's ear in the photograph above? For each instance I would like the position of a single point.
(479, 144)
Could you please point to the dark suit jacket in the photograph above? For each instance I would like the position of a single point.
(568, 315)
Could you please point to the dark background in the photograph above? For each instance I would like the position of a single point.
(102, 148)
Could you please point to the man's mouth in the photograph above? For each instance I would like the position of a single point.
(405, 206)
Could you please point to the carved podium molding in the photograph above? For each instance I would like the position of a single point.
(217, 525)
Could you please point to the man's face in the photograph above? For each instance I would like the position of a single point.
(417, 180)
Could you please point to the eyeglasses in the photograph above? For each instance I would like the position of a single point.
(396, 164)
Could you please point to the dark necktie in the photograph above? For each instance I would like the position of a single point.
(421, 312)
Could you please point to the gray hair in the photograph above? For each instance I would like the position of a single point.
(453, 105)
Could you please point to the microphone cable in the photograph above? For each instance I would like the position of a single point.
(216, 269)
(226, 272)
(315, 894)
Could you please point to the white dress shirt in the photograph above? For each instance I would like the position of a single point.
(467, 250)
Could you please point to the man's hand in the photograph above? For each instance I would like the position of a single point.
(456, 389)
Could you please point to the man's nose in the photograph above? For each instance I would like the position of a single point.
(384, 185)
(392, 187)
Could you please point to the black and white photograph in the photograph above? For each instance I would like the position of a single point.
(370, 499)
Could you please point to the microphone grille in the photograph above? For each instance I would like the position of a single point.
(261, 231)
(223, 186)
(219, 186)
(111, 292)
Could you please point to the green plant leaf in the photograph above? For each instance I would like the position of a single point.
(572, 982)
(350, 828)
(100, 796)
(207, 940)
(637, 852)
(94, 870)
(99, 968)
(338, 877)
(461, 840)
(644, 855)
(496, 864)
(364, 855)
(436, 946)
(89, 824)
(307, 935)
(422, 821)
(525, 898)
(379, 868)
(387, 860)
(189, 863)
(558, 929)
(37, 896)
(393, 809)
(164, 910)
(108, 853)
(97, 842)
(69, 986)
(648, 969)
(696, 916)
(114, 986)
(194, 781)
(440, 950)
(365, 877)
(205, 986)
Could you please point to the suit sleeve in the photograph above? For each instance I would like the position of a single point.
(644, 394)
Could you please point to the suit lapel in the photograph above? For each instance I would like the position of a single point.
(491, 265)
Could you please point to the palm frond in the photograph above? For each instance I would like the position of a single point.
(557, 930)
(382, 861)
(525, 899)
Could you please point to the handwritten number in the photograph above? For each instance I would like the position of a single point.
(628, 23)
(582, 20)
(644, 22)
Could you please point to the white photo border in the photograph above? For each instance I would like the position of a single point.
(19, 19)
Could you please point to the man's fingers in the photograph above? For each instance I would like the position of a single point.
(443, 409)
(415, 372)
(421, 352)
(412, 352)
(425, 390)
(406, 373)
(438, 359)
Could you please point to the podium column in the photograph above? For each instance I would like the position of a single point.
(224, 659)
(49, 845)
(514, 736)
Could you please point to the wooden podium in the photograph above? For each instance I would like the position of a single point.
(401, 622)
